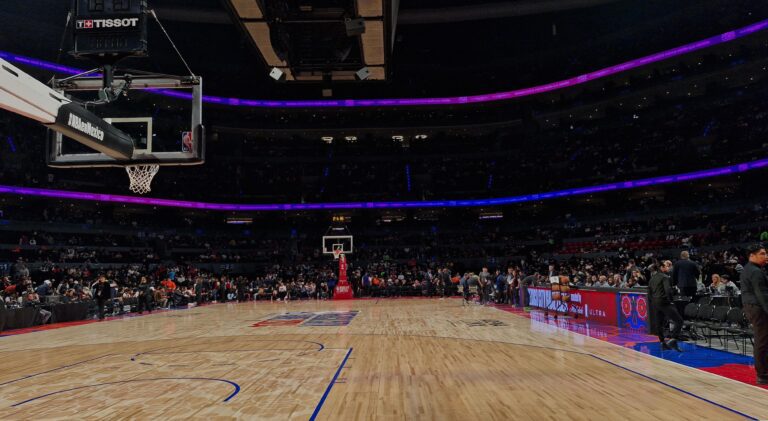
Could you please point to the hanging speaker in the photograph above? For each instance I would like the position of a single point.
(355, 26)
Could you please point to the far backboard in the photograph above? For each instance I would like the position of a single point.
(338, 242)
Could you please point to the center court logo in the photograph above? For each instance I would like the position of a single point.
(107, 23)
(324, 318)
(86, 127)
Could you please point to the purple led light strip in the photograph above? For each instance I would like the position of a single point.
(622, 185)
(499, 96)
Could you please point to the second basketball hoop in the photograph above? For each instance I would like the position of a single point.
(337, 253)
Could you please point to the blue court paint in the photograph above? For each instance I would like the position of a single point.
(335, 318)
(330, 386)
(694, 355)
(232, 395)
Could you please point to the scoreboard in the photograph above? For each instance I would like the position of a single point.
(109, 29)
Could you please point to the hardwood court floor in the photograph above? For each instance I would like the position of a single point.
(395, 359)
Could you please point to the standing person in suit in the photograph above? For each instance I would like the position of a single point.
(145, 296)
(199, 291)
(684, 275)
(102, 293)
(501, 288)
(754, 296)
(2, 314)
(660, 291)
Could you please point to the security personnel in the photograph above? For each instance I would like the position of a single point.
(660, 291)
(102, 294)
(754, 297)
(145, 296)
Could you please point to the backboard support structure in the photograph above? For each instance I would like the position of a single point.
(131, 115)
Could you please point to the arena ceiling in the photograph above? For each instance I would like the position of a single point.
(436, 47)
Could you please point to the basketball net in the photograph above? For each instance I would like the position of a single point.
(141, 177)
(337, 253)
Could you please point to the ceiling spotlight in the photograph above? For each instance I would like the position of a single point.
(350, 138)
(277, 74)
(420, 136)
(398, 138)
(327, 139)
(362, 74)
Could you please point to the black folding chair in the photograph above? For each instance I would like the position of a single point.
(689, 319)
(703, 318)
(740, 328)
(718, 323)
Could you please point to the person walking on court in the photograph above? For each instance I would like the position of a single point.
(684, 275)
(660, 291)
(484, 286)
(501, 288)
(102, 294)
(464, 282)
(754, 297)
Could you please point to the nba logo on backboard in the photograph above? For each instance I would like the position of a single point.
(186, 141)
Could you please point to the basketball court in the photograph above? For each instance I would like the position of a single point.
(383, 359)
(350, 360)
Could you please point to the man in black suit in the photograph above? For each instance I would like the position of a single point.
(754, 296)
(684, 275)
(102, 294)
(660, 292)
(2, 314)
(145, 296)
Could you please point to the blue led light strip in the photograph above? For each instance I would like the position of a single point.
(622, 185)
(408, 176)
(474, 99)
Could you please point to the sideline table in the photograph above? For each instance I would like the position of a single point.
(20, 318)
(68, 312)
(626, 308)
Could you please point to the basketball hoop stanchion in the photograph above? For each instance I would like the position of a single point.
(343, 291)
(141, 177)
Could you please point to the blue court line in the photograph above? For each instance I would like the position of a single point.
(232, 395)
(221, 350)
(638, 373)
(317, 410)
(53, 369)
(675, 387)
(330, 386)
